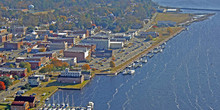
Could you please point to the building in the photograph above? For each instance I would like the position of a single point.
(30, 99)
(80, 53)
(5, 35)
(41, 77)
(68, 76)
(103, 53)
(51, 54)
(101, 44)
(35, 64)
(19, 105)
(42, 59)
(87, 75)
(34, 81)
(166, 24)
(92, 47)
(69, 40)
(58, 46)
(21, 30)
(20, 72)
(70, 61)
(146, 34)
(32, 36)
(12, 45)
(116, 45)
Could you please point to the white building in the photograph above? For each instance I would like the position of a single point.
(116, 45)
(34, 81)
(70, 61)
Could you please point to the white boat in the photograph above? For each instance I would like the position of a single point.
(125, 72)
(67, 105)
(161, 50)
(53, 105)
(144, 61)
(131, 71)
(48, 105)
(140, 65)
(47, 99)
(63, 105)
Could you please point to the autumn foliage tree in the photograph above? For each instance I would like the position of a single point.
(169, 30)
(86, 67)
(2, 85)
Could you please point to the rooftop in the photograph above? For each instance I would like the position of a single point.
(25, 98)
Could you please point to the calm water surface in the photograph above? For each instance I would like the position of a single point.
(185, 76)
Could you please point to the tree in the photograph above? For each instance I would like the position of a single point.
(2, 85)
(65, 64)
(26, 65)
(16, 77)
(170, 30)
(86, 67)
(11, 66)
(56, 62)
(22, 64)
(6, 81)
(113, 57)
(112, 64)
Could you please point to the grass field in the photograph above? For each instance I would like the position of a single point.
(175, 17)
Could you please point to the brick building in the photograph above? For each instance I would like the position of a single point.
(19, 105)
(92, 47)
(13, 45)
(30, 99)
(21, 72)
(51, 54)
(80, 53)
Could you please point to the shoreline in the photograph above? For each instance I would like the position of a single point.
(139, 55)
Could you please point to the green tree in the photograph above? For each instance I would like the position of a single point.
(6, 80)
(112, 64)
(16, 77)
(11, 66)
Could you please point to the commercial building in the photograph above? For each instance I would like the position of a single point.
(69, 40)
(5, 35)
(12, 45)
(70, 61)
(116, 45)
(58, 46)
(21, 30)
(80, 53)
(92, 47)
(103, 53)
(101, 44)
(51, 54)
(68, 76)
(21, 72)
(42, 59)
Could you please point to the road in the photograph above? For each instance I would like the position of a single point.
(12, 89)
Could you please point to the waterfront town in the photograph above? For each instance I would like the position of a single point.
(35, 64)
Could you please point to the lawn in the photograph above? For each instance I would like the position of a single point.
(175, 17)
(4, 107)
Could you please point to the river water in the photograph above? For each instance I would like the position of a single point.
(185, 76)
